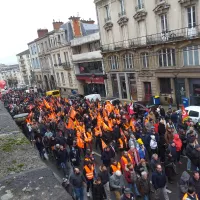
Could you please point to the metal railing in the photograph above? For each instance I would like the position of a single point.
(66, 65)
(139, 7)
(122, 13)
(154, 39)
(107, 19)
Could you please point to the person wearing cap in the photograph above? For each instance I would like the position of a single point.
(116, 183)
(127, 195)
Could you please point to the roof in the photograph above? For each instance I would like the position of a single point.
(23, 53)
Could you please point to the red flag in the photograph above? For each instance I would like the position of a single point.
(185, 115)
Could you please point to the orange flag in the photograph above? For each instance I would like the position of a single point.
(109, 107)
(103, 144)
(46, 104)
(70, 124)
(105, 127)
(132, 125)
(72, 113)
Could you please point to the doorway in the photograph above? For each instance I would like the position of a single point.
(147, 91)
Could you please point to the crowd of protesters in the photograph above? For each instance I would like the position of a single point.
(140, 149)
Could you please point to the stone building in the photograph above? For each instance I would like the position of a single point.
(151, 48)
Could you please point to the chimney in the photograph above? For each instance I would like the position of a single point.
(42, 32)
(76, 26)
(90, 21)
(57, 25)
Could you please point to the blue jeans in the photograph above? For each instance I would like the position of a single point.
(79, 193)
(135, 188)
(145, 197)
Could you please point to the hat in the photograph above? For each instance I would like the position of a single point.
(127, 191)
(197, 146)
(140, 141)
(118, 173)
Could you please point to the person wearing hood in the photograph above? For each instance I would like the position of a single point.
(116, 184)
(153, 145)
(178, 145)
(128, 195)
(183, 183)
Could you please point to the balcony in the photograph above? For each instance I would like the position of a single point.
(89, 56)
(108, 24)
(140, 13)
(155, 39)
(186, 3)
(66, 65)
(123, 19)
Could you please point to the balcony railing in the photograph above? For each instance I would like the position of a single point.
(66, 65)
(107, 19)
(154, 39)
(122, 13)
(139, 7)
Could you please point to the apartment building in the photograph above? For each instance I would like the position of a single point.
(88, 66)
(36, 68)
(24, 61)
(151, 48)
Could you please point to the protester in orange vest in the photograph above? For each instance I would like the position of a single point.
(89, 173)
(125, 159)
(88, 139)
(98, 135)
(115, 166)
(122, 143)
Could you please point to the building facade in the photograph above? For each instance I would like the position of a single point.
(12, 75)
(24, 61)
(151, 48)
(36, 68)
(88, 66)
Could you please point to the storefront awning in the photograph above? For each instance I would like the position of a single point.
(89, 79)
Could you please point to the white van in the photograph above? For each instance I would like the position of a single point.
(194, 113)
(93, 97)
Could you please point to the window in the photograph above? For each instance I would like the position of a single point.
(70, 79)
(58, 78)
(32, 51)
(164, 26)
(37, 63)
(42, 47)
(145, 60)
(193, 113)
(165, 86)
(122, 7)
(128, 61)
(114, 63)
(62, 77)
(66, 56)
(54, 59)
(107, 12)
(59, 59)
(38, 48)
(191, 55)
(140, 4)
(46, 46)
(167, 57)
(59, 39)
(33, 63)
(191, 17)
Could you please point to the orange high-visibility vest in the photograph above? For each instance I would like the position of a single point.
(97, 132)
(115, 168)
(88, 137)
(80, 143)
(121, 144)
(126, 160)
(89, 172)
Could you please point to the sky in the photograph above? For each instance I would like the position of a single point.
(20, 19)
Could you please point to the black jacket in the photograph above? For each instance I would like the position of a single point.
(159, 180)
(77, 180)
(97, 192)
(104, 176)
(161, 129)
(62, 156)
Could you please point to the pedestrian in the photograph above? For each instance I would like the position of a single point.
(106, 156)
(195, 182)
(116, 184)
(153, 145)
(104, 175)
(190, 194)
(74, 155)
(40, 147)
(115, 166)
(98, 190)
(144, 186)
(77, 180)
(159, 182)
(128, 195)
(178, 145)
(89, 174)
(183, 183)
(154, 162)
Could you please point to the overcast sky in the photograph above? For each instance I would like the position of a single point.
(20, 19)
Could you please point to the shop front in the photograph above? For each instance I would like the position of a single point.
(124, 85)
(92, 84)
(194, 85)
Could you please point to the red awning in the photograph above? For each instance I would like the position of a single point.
(87, 79)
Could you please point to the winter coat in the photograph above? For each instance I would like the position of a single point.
(98, 191)
(140, 168)
(156, 127)
(144, 186)
(153, 144)
(106, 157)
(161, 129)
(153, 164)
(159, 180)
(116, 182)
(195, 183)
(62, 156)
(169, 137)
(77, 180)
(190, 152)
(74, 156)
(123, 197)
(177, 142)
(130, 175)
(173, 152)
(184, 183)
(142, 152)
(104, 176)
(174, 117)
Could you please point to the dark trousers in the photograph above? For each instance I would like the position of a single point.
(98, 144)
(178, 153)
(89, 185)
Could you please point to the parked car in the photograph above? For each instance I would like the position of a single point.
(113, 100)
(93, 97)
(76, 97)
